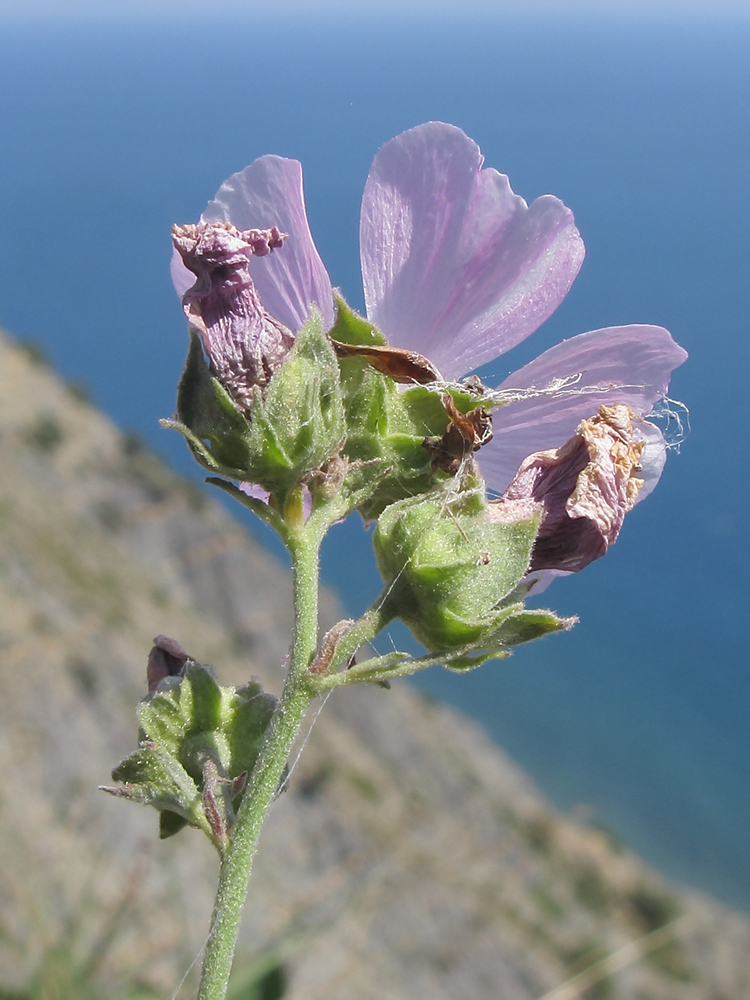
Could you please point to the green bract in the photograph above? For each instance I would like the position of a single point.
(452, 574)
(295, 425)
(386, 424)
(198, 742)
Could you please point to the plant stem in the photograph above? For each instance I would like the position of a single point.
(362, 631)
(397, 664)
(304, 547)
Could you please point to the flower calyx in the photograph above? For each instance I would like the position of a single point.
(453, 572)
(407, 429)
(198, 742)
(293, 429)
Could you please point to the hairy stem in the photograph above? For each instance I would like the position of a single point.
(304, 546)
(362, 631)
(398, 664)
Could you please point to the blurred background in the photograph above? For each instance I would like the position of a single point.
(116, 123)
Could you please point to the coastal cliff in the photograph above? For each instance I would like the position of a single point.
(409, 858)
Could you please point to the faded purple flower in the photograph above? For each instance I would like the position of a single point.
(583, 490)
(166, 659)
(460, 269)
(243, 342)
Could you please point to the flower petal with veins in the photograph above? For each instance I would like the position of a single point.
(269, 193)
(455, 265)
(459, 269)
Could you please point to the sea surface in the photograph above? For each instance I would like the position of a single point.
(109, 132)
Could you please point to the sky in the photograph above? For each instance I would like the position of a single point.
(11, 10)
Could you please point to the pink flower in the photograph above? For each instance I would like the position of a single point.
(460, 269)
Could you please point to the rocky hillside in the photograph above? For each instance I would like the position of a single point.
(409, 859)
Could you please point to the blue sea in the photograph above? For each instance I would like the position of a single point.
(111, 131)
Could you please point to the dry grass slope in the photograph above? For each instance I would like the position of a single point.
(410, 858)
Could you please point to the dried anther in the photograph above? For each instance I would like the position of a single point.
(216, 801)
(407, 367)
(166, 659)
(243, 342)
(584, 490)
(465, 434)
(327, 650)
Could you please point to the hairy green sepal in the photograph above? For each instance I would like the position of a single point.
(295, 425)
(198, 742)
(386, 424)
(452, 574)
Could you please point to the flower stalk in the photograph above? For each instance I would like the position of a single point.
(268, 773)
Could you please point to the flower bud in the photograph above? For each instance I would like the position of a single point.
(450, 566)
(267, 408)
(583, 491)
(242, 341)
(198, 741)
(166, 659)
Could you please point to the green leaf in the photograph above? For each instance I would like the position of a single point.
(180, 707)
(525, 625)
(170, 824)
(351, 328)
(153, 777)
(386, 426)
(249, 714)
(461, 664)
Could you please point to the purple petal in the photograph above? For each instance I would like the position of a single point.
(455, 265)
(244, 344)
(653, 456)
(182, 278)
(269, 193)
(540, 579)
(653, 459)
(625, 364)
(254, 491)
(585, 490)
(258, 493)
(166, 659)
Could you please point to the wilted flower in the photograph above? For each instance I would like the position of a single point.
(166, 659)
(460, 269)
(583, 490)
(244, 343)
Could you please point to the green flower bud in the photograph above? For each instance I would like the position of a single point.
(198, 743)
(294, 425)
(402, 419)
(450, 569)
